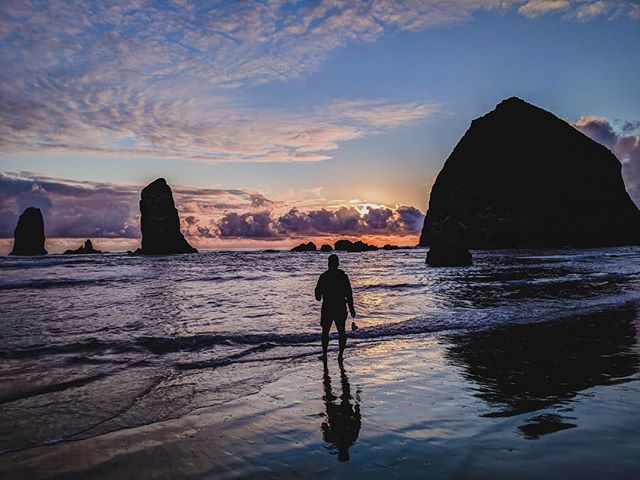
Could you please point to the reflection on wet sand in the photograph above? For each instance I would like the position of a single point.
(540, 425)
(341, 425)
(525, 368)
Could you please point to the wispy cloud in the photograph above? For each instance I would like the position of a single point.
(537, 8)
(161, 78)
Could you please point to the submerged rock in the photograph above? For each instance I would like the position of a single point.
(86, 249)
(326, 248)
(305, 247)
(29, 234)
(349, 246)
(160, 223)
(522, 177)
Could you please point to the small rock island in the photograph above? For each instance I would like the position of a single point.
(305, 247)
(86, 249)
(339, 246)
(29, 234)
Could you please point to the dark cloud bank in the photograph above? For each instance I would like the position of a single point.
(100, 210)
(400, 221)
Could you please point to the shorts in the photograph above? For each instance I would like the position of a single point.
(331, 315)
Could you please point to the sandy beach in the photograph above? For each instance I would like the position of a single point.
(550, 400)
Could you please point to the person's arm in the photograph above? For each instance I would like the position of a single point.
(319, 289)
(349, 295)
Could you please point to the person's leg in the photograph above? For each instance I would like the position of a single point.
(326, 326)
(342, 336)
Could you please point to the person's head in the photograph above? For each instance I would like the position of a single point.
(333, 261)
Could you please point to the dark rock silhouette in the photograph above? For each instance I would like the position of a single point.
(160, 223)
(349, 246)
(448, 247)
(305, 247)
(388, 246)
(522, 177)
(326, 248)
(29, 234)
(86, 249)
(448, 256)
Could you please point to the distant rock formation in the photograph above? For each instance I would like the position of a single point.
(388, 246)
(86, 249)
(305, 247)
(326, 248)
(522, 177)
(160, 223)
(29, 234)
(349, 246)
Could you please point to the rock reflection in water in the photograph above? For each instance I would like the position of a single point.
(341, 425)
(544, 424)
(526, 368)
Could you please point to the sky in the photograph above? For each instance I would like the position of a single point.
(277, 122)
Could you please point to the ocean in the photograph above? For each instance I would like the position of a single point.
(95, 344)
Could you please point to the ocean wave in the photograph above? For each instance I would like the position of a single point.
(454, 320)
(57, 283)
(89, 345)
(50, 388)
(389, 286)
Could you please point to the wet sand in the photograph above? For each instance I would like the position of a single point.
(552, 400)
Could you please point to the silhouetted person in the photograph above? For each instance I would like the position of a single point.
(341, 426)
(334, 289)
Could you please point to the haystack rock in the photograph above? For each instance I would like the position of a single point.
(522, 177)
(86, 249)
(160, 223)
(452, 255)
(326, 248)
(29, 234)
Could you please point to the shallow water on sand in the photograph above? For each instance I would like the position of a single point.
(94, 344)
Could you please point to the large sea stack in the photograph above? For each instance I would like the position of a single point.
(29, 234)
(522, 177)
(160, 223)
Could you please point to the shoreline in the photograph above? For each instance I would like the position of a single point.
(438, 404)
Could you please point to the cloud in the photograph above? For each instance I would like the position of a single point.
(247, 225)
(142, 124)
(74, 209)
(537, 8)
(70, 209)
(104, 210)
(156, 78)
(598, 129)
(626, 145)
(592, 10)
(324, 222)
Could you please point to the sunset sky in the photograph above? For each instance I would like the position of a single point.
(281, 121)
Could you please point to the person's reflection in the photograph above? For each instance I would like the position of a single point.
(341, 425)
